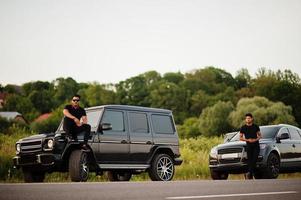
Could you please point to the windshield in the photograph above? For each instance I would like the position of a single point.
(93, 118)
(266, 132)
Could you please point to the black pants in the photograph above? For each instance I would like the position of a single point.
(252, 153)
(72, 130)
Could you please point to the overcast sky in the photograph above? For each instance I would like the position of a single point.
(108, 41)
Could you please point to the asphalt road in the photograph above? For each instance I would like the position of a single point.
(222, 190)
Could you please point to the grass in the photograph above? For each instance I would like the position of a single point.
(194, 152)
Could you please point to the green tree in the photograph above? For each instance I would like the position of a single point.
(64, 88)
(190, 128)
(22, 105)
(174, 77)
(243, 78)
(198, 102)
(280, 86)
(96, 94)
(265, 112)
(133, 91)
(214, 119)
(170, 96)
(210, 79)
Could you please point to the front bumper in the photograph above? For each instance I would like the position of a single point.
(34, 159)
(234, 167)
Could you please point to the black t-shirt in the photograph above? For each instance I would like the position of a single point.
(76, 112)
(250, 132)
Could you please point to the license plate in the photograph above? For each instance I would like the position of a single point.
(230, 155)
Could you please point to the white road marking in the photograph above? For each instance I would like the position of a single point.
(232, 195)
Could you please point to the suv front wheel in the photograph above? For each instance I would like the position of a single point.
(162, 168)
(215, 175)
(33, 176)
(79, 166)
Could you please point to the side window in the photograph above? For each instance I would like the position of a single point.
(294, 134)
(115, 118)
(93, 117)
(138, 122)
(163, 124)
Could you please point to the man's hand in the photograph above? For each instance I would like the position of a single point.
(77, 122)
(252, 140)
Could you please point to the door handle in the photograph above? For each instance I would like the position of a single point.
(124, 142)
(294, 145)
(148, 142)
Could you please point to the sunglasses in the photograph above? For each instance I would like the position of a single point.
(75, 100)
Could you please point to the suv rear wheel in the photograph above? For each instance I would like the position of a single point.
(79, 166)
(215, 175)
(119, 176)
(162, 168)
(33, 177)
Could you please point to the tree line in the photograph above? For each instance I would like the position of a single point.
(205, 101)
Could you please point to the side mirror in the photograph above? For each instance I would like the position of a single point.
(283, 136)
(105, 126)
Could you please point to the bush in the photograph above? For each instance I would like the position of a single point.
(5, 125)
(7, 152)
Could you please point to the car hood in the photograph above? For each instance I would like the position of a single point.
(37, 136)
(240, 143)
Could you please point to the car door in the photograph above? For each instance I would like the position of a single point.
(286, 149)
(141, 140)
(114, 143)
(296, 144)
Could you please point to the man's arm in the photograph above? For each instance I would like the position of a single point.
(258, 136)
(84, 119)
(242, 138)
(68, 114)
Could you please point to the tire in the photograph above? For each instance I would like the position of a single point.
(119, 176)
(33, 177)
(162, 168)
(79, 166)
(215, 175)
(273, 167)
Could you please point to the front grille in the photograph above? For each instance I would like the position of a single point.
(229, 161)
(31, 146)
(229, 150)
(230, 155)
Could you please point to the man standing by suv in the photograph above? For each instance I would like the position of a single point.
(75, 120)
(250, 133)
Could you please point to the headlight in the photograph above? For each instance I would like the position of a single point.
(263, 146)
(48, 145)
(213, 152)
(18, 147)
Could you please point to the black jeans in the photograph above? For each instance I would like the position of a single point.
(72, 130)
(252, 153)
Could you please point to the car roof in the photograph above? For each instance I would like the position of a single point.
(131, 108)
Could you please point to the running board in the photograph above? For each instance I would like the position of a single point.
(123, 166)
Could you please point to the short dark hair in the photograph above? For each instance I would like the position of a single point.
(76, 95)
(249, 115)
